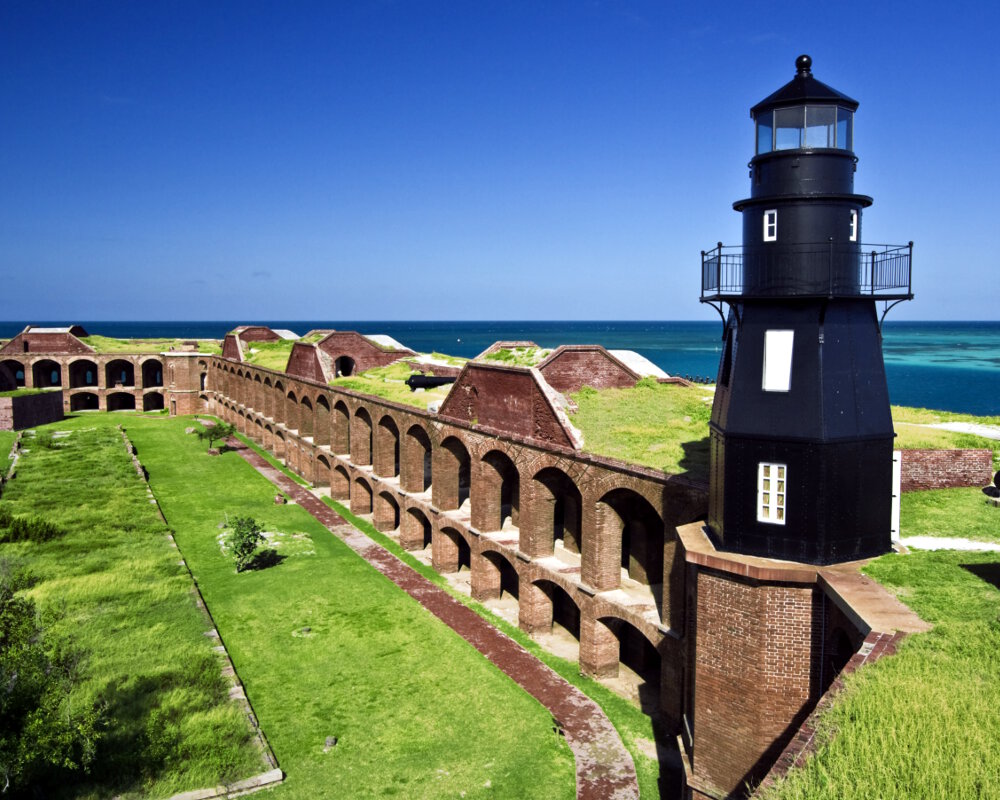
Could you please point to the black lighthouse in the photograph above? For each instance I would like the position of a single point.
(801, 434)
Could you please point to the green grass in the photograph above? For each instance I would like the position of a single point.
(949, 512)
(389, 383)
(663, 426)
(929, 416)
(271, 355)
(106, 344)
(418, 712)
(923, 723)
(23, 392)
(518, 356)
(912, 436)
(112, 585)
(6, 442)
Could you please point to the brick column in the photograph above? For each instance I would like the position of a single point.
(411, 464)
(485, 492)
(411, 532)
(485, 578)
(534, 608)
(444, 552)
(444, 490)
(535, 520)
(384, 457)
(385, 514)
(601, 530)
(598, 648)
(361, 441)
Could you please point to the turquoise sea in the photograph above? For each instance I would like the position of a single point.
(954, 366)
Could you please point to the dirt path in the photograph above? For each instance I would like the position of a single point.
(604, 768)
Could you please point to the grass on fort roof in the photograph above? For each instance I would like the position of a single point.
(112, 586)
(105, 344)
(272, 355)
(518, 356)
(389, 382)
(922, 723)
(663, 426)
(23, 392)
(326, 646)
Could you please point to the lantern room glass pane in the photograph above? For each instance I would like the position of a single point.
(765, 132)
(820, 126)
(845, 129)
(788, 127)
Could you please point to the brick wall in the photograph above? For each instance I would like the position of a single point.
(17, 413)
(304, 363)
(44, 343)
(571, 367)
(942, 469)
(365, 354)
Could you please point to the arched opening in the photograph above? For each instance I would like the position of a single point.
(291, 412)
(494, 578)
(258, 394)
(321, 476)
(556, 512)
(415, 530)
(386, 512)
(305, 417)
(451, 475)
(84, 401)
(258, 431)
(640, 660)
(340, 441)
(119, 373)
(46, 374)
(449, 551)
(279, 444)
(499, 501)
(340, 484)
(152, 401)
(415, 467)
(82, 373)
(361, 497)
(152, 372)
(268, 399)
(625, 516)
(16, 369)
(321, 433)
(386, 460)
(361, 437)
(121, 401)
(548, 608)
(204, 402)
(343, 366)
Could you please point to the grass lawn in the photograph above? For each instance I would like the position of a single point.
(390, 383)
(326, 646)
(922, 723)
(271, 355)
(23, 392)
(106, 344)
(112, 586)
(949, 512)
(664, 426)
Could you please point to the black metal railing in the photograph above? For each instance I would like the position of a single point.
(827, 269)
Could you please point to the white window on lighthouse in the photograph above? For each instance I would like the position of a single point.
(854, 224)
(771, 225)
(778, 360)
(771, 481)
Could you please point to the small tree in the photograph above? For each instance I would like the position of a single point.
(220, 431)
(244, 541)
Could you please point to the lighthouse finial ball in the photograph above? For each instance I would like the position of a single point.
(804, 65)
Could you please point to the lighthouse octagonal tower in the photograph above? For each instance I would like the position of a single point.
(801, 432)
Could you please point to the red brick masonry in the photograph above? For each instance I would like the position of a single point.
(944, 469)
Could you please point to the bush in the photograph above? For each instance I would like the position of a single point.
(30, 529)
(244, 541)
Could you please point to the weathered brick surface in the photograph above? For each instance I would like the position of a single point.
(363, 352)
(943, 469)
(304, 362)
(27, 411)
(573, 366)
(29, 343)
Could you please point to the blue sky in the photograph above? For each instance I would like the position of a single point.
(461, 160)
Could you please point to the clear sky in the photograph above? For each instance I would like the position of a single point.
(461, 160)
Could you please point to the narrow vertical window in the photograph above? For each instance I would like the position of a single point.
(778, 360)
(854, 224)
(771, 225)
(771, 481)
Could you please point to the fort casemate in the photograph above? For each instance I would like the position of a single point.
(723, 591)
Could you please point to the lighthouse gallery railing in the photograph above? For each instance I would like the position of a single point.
(826, 269)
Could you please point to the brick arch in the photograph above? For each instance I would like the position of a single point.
(415, 529)
(305, 416)
(46, 373)
(361, 436)
(452, 474)
(386, 512)
(556, 513)
(151, 368)
(340, 429)
(321, 473)
(267, 397)
(14, 367)
(385, 458)
(153, 400)
(280, 449)
(494, 575)
(629, 524)
(618, 641)
(450, 550)
(290, 412)
(416, 464)
(120, 401)
(340, 483)
(361, 496)
(496, 495)
(545, 603)
(83, 372)
(321, 429)
(84, 401)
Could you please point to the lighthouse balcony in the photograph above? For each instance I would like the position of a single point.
(826, 269)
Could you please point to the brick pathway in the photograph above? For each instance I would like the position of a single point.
(604, 768)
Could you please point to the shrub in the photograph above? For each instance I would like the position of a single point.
(31, 529)
(244, 541)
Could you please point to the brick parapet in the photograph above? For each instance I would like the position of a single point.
(943, 469)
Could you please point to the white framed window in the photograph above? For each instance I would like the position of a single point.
(778, 360)
(771, 225)
(854, 225)
(771, 482)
